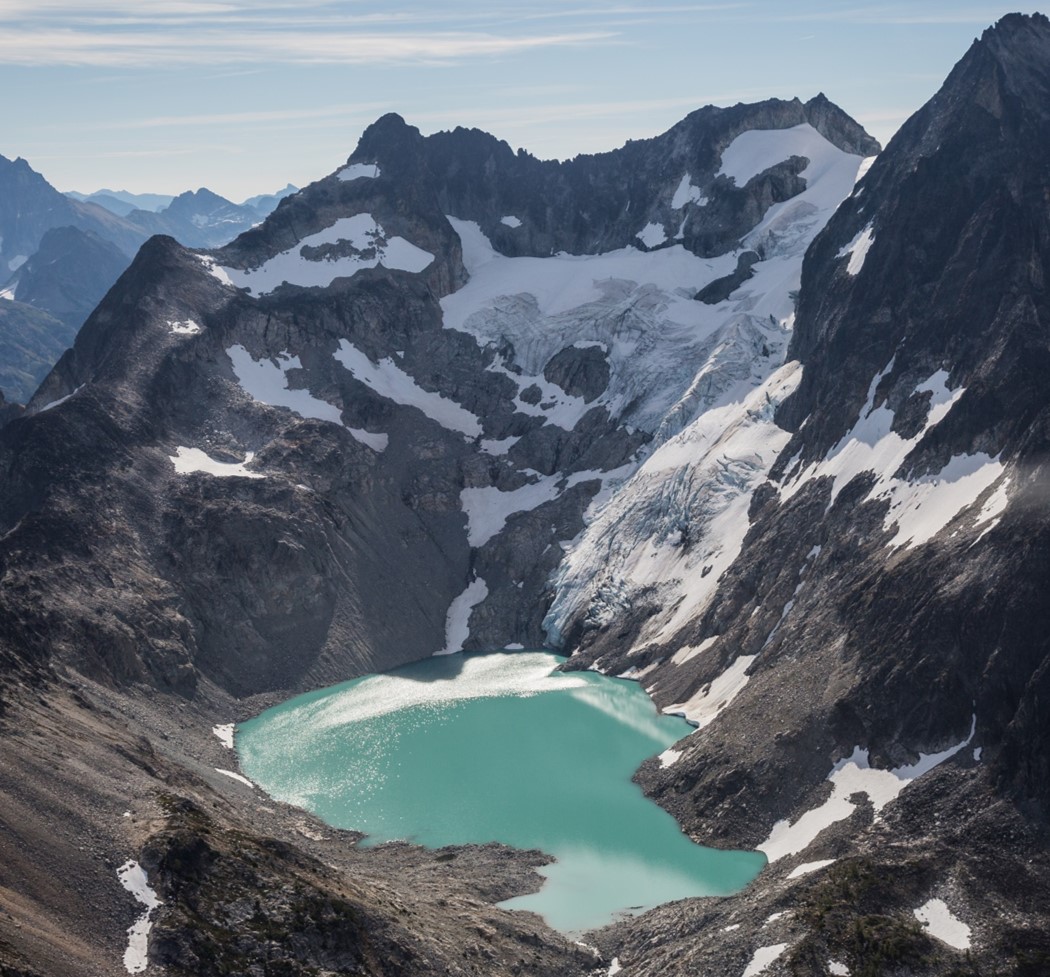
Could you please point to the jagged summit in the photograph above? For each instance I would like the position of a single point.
(958, 196)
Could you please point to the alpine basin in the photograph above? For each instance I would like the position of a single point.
(464, 749)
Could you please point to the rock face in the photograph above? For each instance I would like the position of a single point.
(454, 396)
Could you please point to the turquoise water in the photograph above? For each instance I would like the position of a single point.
(497, 747)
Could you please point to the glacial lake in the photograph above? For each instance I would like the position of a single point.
(461, 749)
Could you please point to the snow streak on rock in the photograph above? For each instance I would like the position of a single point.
(388, 380)
(457, 621)
(133, 878)
(703, 707)
(857, 250)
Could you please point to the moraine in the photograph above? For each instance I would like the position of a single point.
(464, 749)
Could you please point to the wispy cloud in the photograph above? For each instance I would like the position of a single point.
(133, 49)
(896, 13)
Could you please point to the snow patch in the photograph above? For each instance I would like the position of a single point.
(501, 447)
(510, 221)
(457, 620)
(188, 460)
(919, 508)
(688, 652)
(941, 923)
(924, 507)
(17, 261)
(235, 776)
(377, 442)
(838, 969)
(267, 382)
(652, 235)
(225, 734)
(806, 867)
(361, 235)
(215, 270)
(756, 150)
(703, 707)
(133, 878)
(187, 327)
(848, 777)
(488, 509)
(687, 193)
(669, 757)
(763, 957)
(358, 171)
(388, 380)
(614, 967)
(857, 250)
(862, 171)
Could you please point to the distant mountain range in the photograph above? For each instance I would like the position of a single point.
(50, 281)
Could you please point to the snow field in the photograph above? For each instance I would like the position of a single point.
(806, 867)
(756, 150)
(488, 509)
(652, 235)
(704, 707)
(361, 234)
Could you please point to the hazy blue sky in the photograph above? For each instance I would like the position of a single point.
(244, 96)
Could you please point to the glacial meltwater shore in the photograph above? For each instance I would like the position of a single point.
(464, 749)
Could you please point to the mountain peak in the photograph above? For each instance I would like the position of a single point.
(1018, 47)
(388, 135)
